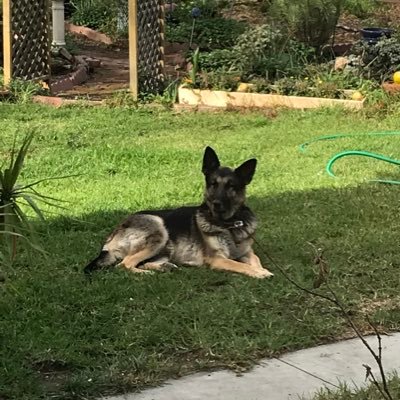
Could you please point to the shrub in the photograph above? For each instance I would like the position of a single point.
(266, 51)
(380, 60)
(220, 80)
(259, 52)
(311, 21)
(263, 51)
(96, 14)
(314, 21)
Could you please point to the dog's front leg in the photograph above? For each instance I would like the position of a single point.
(131, 261)
(252, 259)
(227, 264)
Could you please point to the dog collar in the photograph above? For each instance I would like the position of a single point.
(235, 224)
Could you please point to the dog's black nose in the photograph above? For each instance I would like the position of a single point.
(217, 204)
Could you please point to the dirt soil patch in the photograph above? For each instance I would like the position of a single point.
(113, 74)
(104, 81)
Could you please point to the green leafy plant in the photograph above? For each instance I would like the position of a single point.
(16, 198)
(219, 80)
(208, 33)
(210, 29)
(208, 8)
(380, 60)
(360, 8)
(292, 87)
(217, 59)
(123, 99)
(170, 94)
(22, 91)
(319, 81)
(96, 14)
(193, 79)
(379, 104)
(167, 98)
(195, 66)
(259, 50)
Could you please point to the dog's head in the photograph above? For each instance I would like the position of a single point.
(225, 190)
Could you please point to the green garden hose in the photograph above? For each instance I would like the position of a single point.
(342, 154)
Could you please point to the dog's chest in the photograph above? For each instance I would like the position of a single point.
(229, 244)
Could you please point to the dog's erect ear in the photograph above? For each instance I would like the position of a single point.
(246, 171)
(210, 161)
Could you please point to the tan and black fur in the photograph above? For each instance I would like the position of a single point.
(217, 233)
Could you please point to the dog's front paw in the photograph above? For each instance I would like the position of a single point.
(134, 269)
(262, 273)
(167, 267)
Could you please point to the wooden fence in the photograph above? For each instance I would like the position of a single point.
(26, 36)
(26, 29)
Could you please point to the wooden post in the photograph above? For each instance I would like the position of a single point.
(133, 49)
(7, 42)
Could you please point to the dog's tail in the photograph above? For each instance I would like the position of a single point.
(104, 259)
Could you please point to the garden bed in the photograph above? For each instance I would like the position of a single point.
(222, 99)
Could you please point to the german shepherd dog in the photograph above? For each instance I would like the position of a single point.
(217, 233)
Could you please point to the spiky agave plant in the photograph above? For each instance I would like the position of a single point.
(15, 198)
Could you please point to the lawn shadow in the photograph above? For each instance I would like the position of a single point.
(129, 331)
(355, 225)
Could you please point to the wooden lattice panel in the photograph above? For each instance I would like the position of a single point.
(150, 51)
(30, 39)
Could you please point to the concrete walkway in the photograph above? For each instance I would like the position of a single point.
(288, 377)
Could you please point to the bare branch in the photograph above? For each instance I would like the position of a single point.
(322, 278)
(370, 374)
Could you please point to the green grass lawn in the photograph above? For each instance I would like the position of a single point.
(62, 337)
